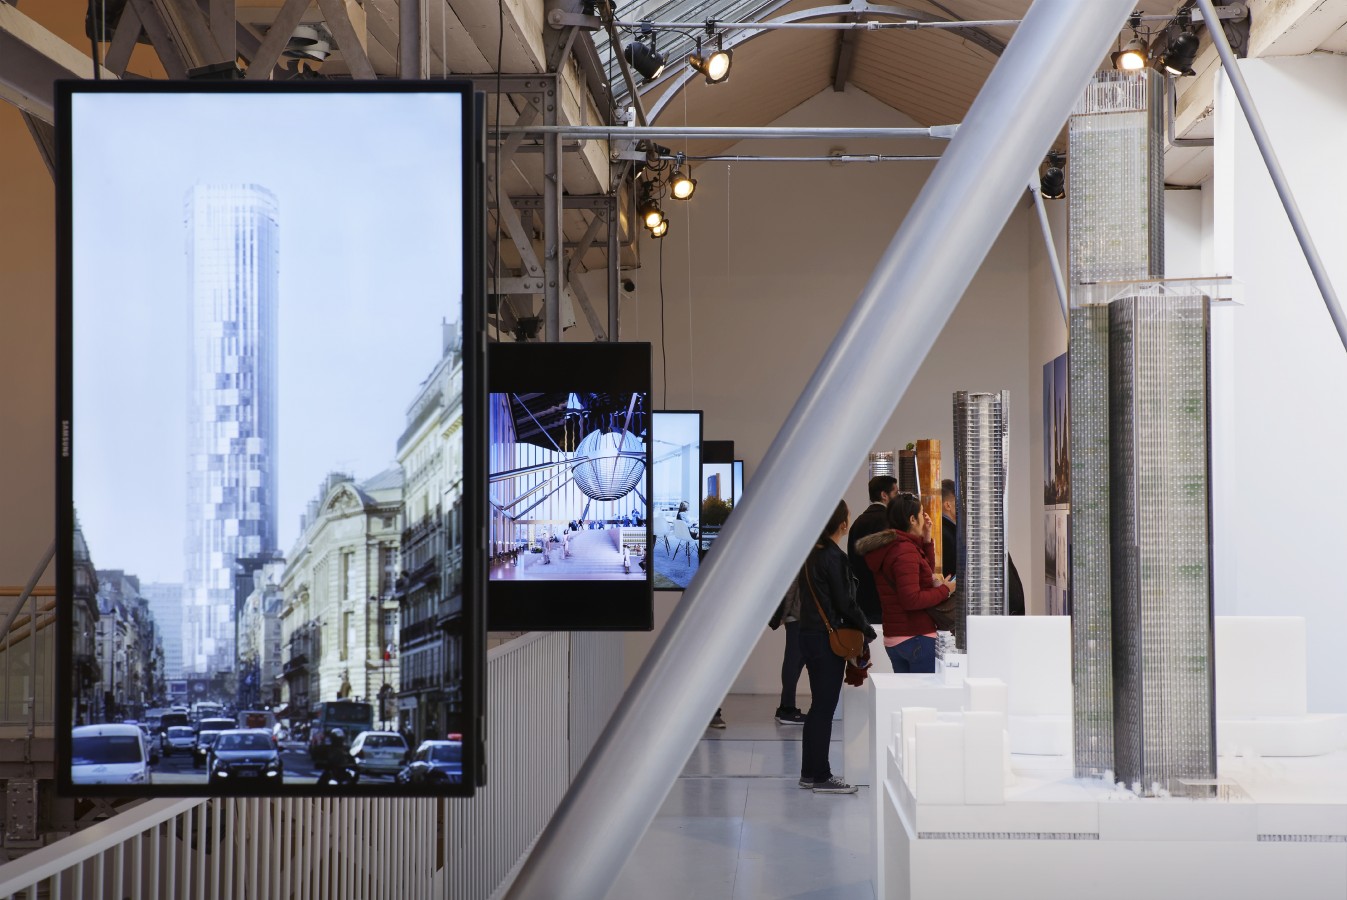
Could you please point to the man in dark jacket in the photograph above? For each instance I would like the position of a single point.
(949, 528)
(873, 520)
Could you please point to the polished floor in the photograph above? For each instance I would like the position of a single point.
(737, 827)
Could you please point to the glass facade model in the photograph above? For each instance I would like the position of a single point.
(1116, 197)
(1164, 697)
(233, 267)
(1091, 548)
(980, 462)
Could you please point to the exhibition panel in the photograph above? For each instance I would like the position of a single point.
(569, 473)
(676, 510)
(270, 455)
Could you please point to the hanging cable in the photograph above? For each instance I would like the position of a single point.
(663, 353)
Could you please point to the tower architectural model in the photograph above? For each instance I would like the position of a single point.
(1141, 615)
(233, 267)
(980, 460)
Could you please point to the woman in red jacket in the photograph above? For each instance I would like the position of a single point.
(903, 562)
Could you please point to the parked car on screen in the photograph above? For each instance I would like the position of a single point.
(379, 751)
(108, 754)
(244, 755)
(205, 736)
(179, 739)
(434, 762)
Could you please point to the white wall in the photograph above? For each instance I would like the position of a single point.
(1280, 491)
(760, 269)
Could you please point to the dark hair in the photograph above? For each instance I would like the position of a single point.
(902, 508)
(881, 484)
(947, 491)
(834, 522)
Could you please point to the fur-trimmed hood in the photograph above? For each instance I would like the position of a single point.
(877, 541)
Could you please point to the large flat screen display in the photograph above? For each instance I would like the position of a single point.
(268, 326)
(675, 512)
(569, 475)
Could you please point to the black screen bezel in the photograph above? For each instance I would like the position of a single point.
(472, 128)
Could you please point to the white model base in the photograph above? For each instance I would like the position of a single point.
(1056, 838)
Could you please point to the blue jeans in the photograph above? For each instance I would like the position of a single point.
(914, 655)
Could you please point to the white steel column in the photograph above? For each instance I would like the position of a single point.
(896, 320)
(1274, 169)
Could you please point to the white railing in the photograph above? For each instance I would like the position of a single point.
(548, 696)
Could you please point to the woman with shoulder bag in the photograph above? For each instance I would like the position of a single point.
(827, 589)
(903, 560)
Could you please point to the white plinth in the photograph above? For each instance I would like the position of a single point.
(1056, 838)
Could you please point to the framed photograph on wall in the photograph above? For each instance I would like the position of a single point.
(270, 439)
(570, 476)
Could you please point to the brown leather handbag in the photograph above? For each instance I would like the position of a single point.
(847, 643)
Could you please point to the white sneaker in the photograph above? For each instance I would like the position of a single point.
(835, 785)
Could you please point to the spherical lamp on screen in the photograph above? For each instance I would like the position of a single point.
(608, 464)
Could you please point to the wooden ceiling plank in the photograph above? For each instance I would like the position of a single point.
(1293, 27)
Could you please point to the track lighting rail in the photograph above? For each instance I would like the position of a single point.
(619, 132)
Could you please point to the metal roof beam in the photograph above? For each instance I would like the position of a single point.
(32, 59)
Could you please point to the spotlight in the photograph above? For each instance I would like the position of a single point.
(1179, 55)
(650, 213)
(661, 229)
(644, 58)
(716, 65)
(1132, 57)
(1052, 183)
(681, 184)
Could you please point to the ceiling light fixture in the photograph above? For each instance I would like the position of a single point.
(1178, 57)
(645, 59)
(681, 184)
(716, 65)
(648, 209)
(1132, 57)
(1052, 183)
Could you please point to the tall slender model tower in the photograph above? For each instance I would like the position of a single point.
(1141, 632)
(1116, 233)
(1164, 701)
(980, 465)
(233, 265)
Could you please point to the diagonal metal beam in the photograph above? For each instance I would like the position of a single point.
(32, 60)
(169, 52)
(574, 267)
(337, 15)
(846, 56)
(223, 22)
(44, 135)
(261, 66)
(909, 298)
(124, 40)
